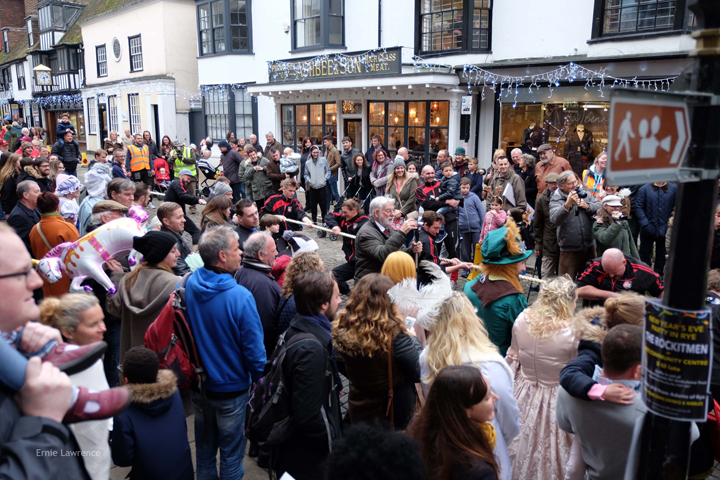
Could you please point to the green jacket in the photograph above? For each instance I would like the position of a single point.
(615, 235)
(502, 305)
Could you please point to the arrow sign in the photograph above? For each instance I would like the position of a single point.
(649, 137)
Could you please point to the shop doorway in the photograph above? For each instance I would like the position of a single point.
(353, 129)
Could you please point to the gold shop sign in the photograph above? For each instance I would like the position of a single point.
(371, 63)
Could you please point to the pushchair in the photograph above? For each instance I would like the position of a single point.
(209, 173)
(158, 179)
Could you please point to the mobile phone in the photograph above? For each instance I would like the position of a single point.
(410, 322)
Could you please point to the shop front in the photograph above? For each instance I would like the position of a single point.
(416, 111)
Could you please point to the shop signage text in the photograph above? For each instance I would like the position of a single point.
(336, 66)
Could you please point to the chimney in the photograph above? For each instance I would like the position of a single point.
(13, 13)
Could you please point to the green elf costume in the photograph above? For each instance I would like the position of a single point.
(496, 294)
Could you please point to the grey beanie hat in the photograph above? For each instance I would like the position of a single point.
(221, 189)
(399, 162)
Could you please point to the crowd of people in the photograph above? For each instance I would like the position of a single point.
(479, 385)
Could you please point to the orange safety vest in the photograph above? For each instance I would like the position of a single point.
(140, 159)
(589, 183)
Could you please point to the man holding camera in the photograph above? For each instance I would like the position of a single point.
(572, 210)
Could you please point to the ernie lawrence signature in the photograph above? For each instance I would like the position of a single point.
(67, 453)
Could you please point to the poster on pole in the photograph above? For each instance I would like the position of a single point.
(676, 361)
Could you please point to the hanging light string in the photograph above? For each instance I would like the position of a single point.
(509, 85)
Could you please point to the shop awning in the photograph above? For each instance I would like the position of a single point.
(420, 81)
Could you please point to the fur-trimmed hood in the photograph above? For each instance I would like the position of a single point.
(30, 170)
(154, 398)
(589, 324)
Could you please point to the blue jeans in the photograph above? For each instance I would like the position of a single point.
(242, 190)
(332, 191)
(225, 430)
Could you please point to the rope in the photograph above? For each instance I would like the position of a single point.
(342, 234)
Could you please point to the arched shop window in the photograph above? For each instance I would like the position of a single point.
(422, 127)
(314, 120)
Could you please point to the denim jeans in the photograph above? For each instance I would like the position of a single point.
(332, 191)
(225, 429)
(242, 190)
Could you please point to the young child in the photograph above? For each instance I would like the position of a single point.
(470, 220)
(151, 435)
(68, 189)
(290, 162)
(271, 223)
(163, 177)
(63, 127)
(475, 175)
(449, 187)
(495, 218)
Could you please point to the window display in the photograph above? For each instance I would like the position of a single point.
(575, 130)
(313, 120)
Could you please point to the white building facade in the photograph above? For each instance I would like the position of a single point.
(401, 69)
(141, 70)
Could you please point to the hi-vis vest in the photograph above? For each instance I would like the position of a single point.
(590, 184)
(140, 159)
(181, 165)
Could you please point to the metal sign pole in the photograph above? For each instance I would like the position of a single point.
(665, 445)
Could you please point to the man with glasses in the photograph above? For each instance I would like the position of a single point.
(572, 209)
(31, 433)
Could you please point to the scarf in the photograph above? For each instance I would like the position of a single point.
(255, 264)
(489, 431)
(321, 321)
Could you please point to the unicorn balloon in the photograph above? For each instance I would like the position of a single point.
(86, 256)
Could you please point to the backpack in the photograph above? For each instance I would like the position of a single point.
(268, 418)
(171, 338)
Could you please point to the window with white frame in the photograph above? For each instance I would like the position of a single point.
(631, 17)
(136, 59)
(102, 67)
(224, 26)
(243, 113)
(31, 40)
(92, 116)
(113, 114)
(134, 103)
(216, 113)
(20, 71)
(6, 43)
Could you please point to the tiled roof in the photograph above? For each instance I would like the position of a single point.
(92, 8)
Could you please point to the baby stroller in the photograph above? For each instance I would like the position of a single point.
(158, 180)
(209, 173)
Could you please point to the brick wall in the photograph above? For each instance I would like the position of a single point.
(13, 13)
(15, 36)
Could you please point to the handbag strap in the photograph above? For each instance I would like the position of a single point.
(390, 410)
(42, 235)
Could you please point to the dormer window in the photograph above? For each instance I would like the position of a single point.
(6, 43)
(55, 17)
(31, 40)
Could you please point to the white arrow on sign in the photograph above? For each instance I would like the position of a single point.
(682, 136)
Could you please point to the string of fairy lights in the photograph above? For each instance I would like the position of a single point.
(507, 87)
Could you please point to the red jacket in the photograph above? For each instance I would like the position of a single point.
(337, 219)
(279, 205)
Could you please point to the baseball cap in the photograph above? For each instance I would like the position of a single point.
(3, 143)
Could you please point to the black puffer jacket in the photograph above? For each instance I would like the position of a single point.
(69, 154)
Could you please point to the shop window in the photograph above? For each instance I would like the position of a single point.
(20, 72)
(453, 25)
(314, 120)
(134, 104)
(77, 118)
(555, 123)
(92, 116)
(136, 58)
(224, 26)
(317, 24)
(113, 114)
(632, 17)
(101, 55)
(421, 127)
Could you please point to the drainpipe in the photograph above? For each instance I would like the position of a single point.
(379, 23)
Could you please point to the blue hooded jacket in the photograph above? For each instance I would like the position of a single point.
(227, 329)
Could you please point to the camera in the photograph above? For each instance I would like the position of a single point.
(580, 193)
